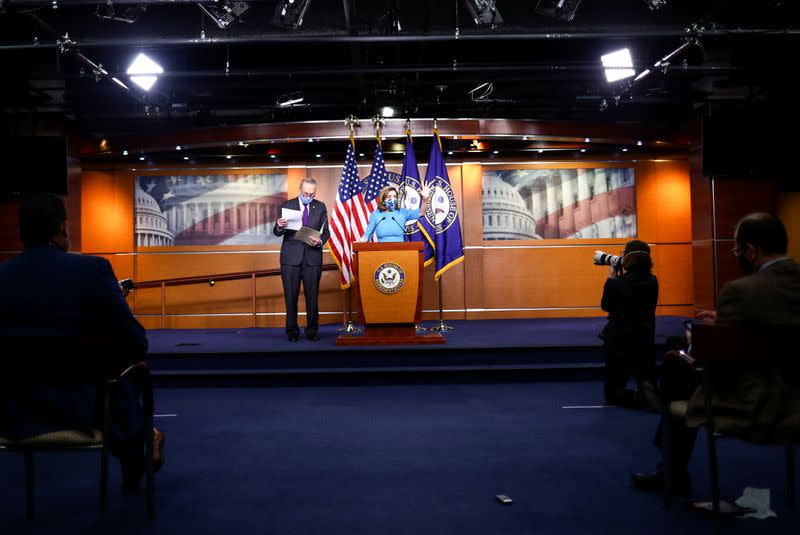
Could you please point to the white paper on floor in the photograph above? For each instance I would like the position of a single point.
(757, 499)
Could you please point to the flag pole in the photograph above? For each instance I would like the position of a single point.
(440, 326)
(348, 326)
(418, 326)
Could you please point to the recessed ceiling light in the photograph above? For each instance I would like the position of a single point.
(625, 149)
(177, 147)
(141, 158)
(318, 155)
(541, 151)
(361, 154)
(587, 140)
(229, 156)
(524, 138)
(449, 153)
(639, 143)
(583, 150)
(311, 140)
(495, 152)
(185, 157)
(124, 153)
(272, 156)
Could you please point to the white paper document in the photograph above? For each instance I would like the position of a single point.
(294, 218)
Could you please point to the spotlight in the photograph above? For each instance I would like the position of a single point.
(618, 65)
(144, 65)
(128, 15)
(290, 13)
(387, 111)
(290, 99)
(484, 12)
(560, 9)
(655, 4)
(225, 14)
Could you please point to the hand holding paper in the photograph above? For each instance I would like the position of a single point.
(294, 218)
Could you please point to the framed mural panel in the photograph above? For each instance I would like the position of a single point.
(534, 204)
(238, 209)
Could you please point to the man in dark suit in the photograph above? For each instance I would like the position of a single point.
(49, 292)
(769, 294)
(302, 260)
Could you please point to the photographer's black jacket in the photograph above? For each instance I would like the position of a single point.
(630, 301)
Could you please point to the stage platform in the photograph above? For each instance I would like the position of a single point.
(490, 345)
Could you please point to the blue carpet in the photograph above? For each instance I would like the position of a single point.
(394, 459)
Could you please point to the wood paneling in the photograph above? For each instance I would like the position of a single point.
(789, 213)
(555, 278)
(736, 197)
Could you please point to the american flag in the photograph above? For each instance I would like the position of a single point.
(348, 219)
(377, 180)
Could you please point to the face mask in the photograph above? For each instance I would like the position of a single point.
(391, 204)
(747, 266)
(306, 199)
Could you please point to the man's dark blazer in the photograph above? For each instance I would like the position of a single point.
(762, 405)
(293, 252)
(48, 292)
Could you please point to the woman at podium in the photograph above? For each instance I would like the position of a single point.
(388, 222)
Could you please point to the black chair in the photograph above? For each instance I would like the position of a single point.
(723, 351)
(67, 363)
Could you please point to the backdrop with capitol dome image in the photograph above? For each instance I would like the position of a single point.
(228, 209)
(534, 204)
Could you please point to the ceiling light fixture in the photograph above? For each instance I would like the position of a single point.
(290, 13)
(561, 9)
(290, 99)
(225, 14)
(144, 71)
(387, 111)
(484, 13)
(618, 65)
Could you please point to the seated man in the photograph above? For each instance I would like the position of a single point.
(769, 294)
(48, 292)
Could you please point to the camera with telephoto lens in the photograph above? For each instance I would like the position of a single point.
(606, 259)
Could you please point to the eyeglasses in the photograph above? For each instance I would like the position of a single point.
(738, 250)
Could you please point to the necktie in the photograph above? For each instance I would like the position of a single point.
(305, 215)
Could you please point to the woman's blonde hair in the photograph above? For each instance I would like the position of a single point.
(382, 197)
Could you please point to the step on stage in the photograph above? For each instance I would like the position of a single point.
(491, 345)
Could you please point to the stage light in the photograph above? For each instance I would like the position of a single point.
(484, 12)
(560, 9)
(387, 111)
(225, 14)
(290, 13)
(143, 65)
(655, 4)
(618, 65)
(290, 99)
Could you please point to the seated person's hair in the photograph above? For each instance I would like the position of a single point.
(637, 256)
(763, 230)
(40, 218)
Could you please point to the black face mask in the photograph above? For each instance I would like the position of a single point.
(747, 266)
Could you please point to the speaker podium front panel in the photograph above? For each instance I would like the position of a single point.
(389, 286)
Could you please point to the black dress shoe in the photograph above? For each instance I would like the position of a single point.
(313, 337)
(294, 337)
(654, 482)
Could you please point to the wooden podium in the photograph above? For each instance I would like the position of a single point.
(388, 278)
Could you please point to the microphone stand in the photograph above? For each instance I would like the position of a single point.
(441, 326)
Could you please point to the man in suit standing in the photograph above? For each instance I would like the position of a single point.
(769, 294)
(48, 292)
(302, 260)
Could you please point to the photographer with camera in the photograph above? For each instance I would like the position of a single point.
(630, 295)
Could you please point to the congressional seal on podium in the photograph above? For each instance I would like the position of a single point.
(389, 278)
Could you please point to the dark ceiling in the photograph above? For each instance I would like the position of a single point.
(349, 57)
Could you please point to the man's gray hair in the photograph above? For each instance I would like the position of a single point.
(309, 181)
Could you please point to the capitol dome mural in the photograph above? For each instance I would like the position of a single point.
(151, 225)
(505, 216)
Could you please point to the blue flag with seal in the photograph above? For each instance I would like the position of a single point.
(441, 224)
(410, 187)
